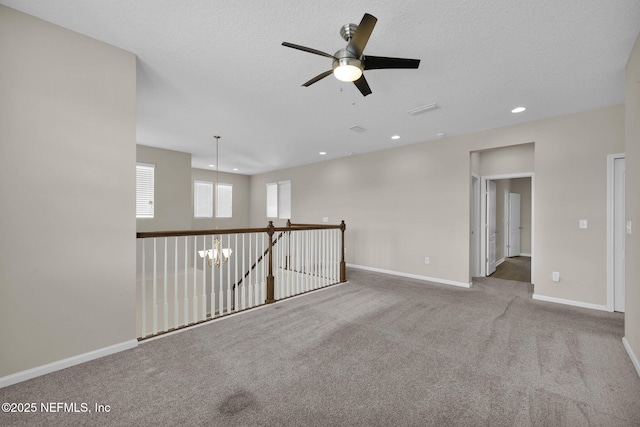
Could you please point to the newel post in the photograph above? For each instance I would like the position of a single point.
(343, 265)
(270, 279)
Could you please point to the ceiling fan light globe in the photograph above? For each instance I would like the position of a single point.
(347, 73)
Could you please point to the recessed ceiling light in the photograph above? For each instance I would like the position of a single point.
(441, 135)
(235, 169)
(348, 153)
(395, 137)
(212, 166)
(322, 153)
(518, 110)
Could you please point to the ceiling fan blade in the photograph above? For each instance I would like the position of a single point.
(318, 77)
(362, 34)
(363, 86)
(381, 62)
(307, 49)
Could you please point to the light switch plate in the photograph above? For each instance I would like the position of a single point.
(583, 223)
(628, 227)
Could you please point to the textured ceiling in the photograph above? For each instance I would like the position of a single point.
(218, 68)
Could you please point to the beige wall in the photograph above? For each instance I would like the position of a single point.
(240, 208)
(507, 160)
(632, 201)
(172, 197)
(67, 199)
(404, 204)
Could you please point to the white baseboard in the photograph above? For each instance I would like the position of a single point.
(412, 276)
(632, 355)
(570, 302)
(524, 254)
(65, 363)
(500, 261)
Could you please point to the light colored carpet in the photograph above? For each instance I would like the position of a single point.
(378, 351)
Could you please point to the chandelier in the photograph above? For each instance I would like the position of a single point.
(217, 255)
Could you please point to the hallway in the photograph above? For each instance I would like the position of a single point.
(514, 268)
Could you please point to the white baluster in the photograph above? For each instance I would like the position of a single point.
(143, 320)
(213, 282)
(307, 262)
(165, 290)
(186, 281)
(324, 256)
(256, 283)
(236, 301)
(298, 238)
(287, 260)
(333, 256)
(250, 287)
(229, 275)
(204, 279)
(195, 271)
(176, 305)
(155, 281)
(263, 274)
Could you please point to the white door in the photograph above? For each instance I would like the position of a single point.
(514, 224)
(491, 227)
(618, 235)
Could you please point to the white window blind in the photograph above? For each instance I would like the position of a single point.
(272, 200)
(284, 200)
(279, 200)
(225, 201)
(144, 190)
(202, 199)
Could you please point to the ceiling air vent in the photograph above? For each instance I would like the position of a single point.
(423, 109)
(357, 128)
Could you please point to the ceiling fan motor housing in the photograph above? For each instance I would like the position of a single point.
(345, 57)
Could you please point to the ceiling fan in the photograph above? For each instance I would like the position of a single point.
(350, 62)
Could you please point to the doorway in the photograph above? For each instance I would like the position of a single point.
(501, 237)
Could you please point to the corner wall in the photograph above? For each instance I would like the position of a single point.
(632, 205)
(67, 195)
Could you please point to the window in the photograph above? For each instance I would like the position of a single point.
(202, 199)
(279, 200)
(144, 190)
(225, 201)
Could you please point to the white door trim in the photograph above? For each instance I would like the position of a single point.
(475, 226)
(483, 217)
(610, 226)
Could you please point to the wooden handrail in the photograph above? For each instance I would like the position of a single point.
(148, 234)
(179, 233)
(292, 226)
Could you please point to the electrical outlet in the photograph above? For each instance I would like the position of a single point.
(427, 260)
(555, 276)
(325, 219)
